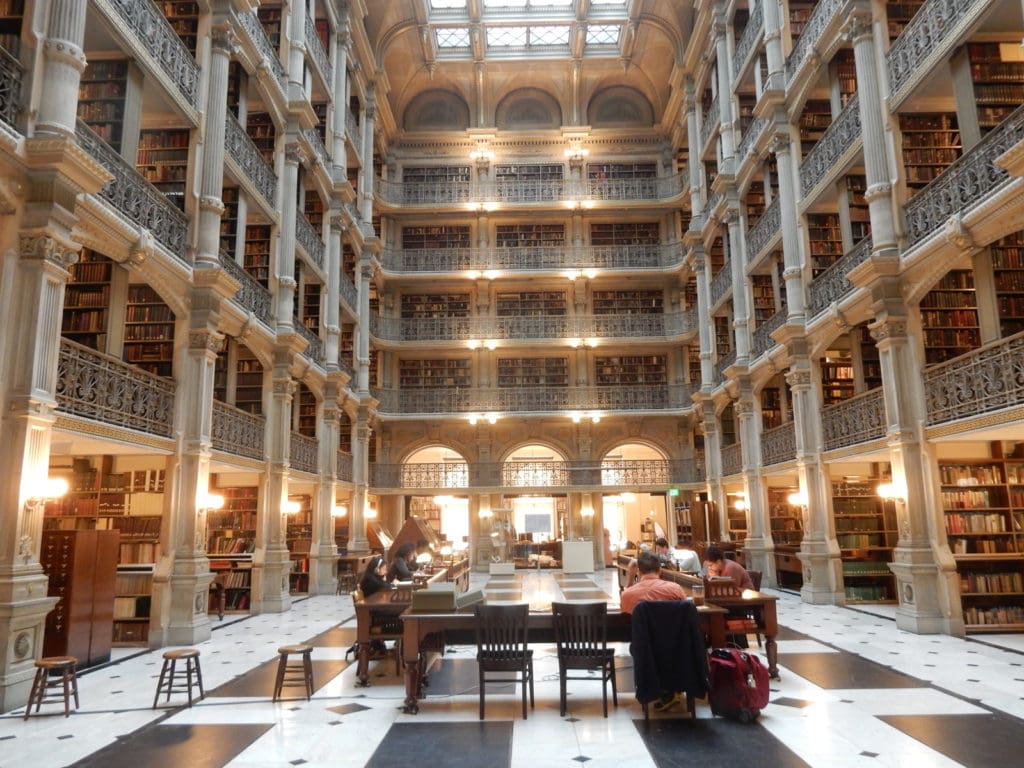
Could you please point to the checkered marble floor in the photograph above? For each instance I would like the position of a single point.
(854, 691)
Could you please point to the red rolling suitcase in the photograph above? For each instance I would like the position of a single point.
(739, 684)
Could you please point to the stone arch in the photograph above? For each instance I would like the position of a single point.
(620, 106)
(528, 109)
(436, 110)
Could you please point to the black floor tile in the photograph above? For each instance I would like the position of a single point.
(259, 682)
(791, 634)
(717, 743)
(335, 637)
(453, 745)
(458, 677)
(975, 741)
(844, 670)
(173, 746)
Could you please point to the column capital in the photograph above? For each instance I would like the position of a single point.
(205, 339)
(778, 144)
(223, 40)
(284, 386)
(889, 328)
(46, 248)
(858, 27)
(294, 154)
(798, 379)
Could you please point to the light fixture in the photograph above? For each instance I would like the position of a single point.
(587, 511)
(291, 508)
(595, 419)
(591, 343)
(339, 511)
(491, 344)
(891, 492)
(575, 418)
(797, 499)
(473, 420)
(575, 343)
(739, 505)
(483, 514)
(50, 489)
(491, 274)
(492, 418)
(627, 496)
(424, 558)
(590, 274)
(210, 502)
(371, 513)
(473, 274)
(473, 344)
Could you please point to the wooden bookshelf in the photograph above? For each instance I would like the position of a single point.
(231, 530)
(248, 381)
(257, 252)
(625, 233)
(425, 509)
(530, 303)
(260, 127)
(786, 520)
(533, 372)
(229, 221)
(736, 519)
(650, 302)
(814, 121)
(529, 235)
(529, 172)
(101, 97)
(305, 411)
(1008, 269)
(11, 16)
(418, 306)
(163, 161)
(299, 537)
(320, 109)
(866, 533)
(826, 241)
(87, 299)
(311, 300)
(436, 174)
(233, 573)
(622, 171)
(723, 336)
(183, 16)
(870, 363)
(860, 217)
(345, 433)
(314, 210)
(447, 372)
(237, 84)
(133, 590)
(837, 377)
(931, 143)
(983, 501)
(846, 75)
(762, 294)
(755, 202)
(949, 316)
(799, 14)
(270, 18)
(443, 236)
(148, 331)
(771, 408)
(631, 370)
(899, 15)
(716, 255)
(998, 83)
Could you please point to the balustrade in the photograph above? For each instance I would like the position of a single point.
(352, 127)
(724, 361)
(750, 136)
(268, 55)
(853, 421)
(833, 285)
(748, 40)
(732, 459)
(824, 13)
(312, 137)
(310, 241)
(761, 339)
(840, 138)
(314, 350)
(348, 293)
(553, 257)
(101, 387)
(302, 453)
(709, 122)
(778, 444)
(720, 284)
(344, 466)
(252, 295)
(236, 431)
(250, 161)
(317, 53)
(765, 232)
(988, 379)
(11, 74)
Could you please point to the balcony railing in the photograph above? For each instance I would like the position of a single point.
(237, 432)
(317, 52)
(552, 257)
(252, 295)
(767, 229)
(352, 127)
(709, 122)
(748, 40)
(312, 137)
(824, 12)
(344, 466)
(854, 421)
(315, 346)
(302, 453)
(158, 38)
(11, 74)
(729, 358)
(101, 387)
(840, 138)
(721, 284)
(268, 54)
(348, 292)
(244, 152)
(454, 329)
(310, 240)
(447, 400)
(833, 285)
(934, 23)
(970, 179)
(732, 459)
(136, 198)
(761, 339)
(988, 379)
(750, 136)
(778, 445)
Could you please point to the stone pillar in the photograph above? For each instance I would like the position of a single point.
(360, 482)
(713, 461)
(775, 88)
(297, 52)
(211, 207)
(758, 545)
(323, 556)
(699, 264)
(366, 179)
(332, 312)
(792, 272)
(362, 331)
(697, 191)
(724, 70)
(63, 64)
(286, 239)
(740, 306)
(342, 50)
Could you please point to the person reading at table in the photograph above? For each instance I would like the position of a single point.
(717, 566)
(404, 563)
(661, 551)
(650, 586)
(375, 577)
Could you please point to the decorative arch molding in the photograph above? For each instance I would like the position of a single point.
(560, 453)
(427, 444)
(620, 106)
(528, 109)
(644, 442)
(436, 110)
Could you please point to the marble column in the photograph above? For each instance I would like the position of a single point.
(366, 180)
(724, 70)
(357, 541)
(362, 330)
(285, 306)
(340, 96)
(775, 88)
(758, 545)
(63, 64)
(792, 272)
(740, 305)
(324, 549)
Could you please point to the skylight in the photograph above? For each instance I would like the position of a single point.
(439, 4)
(452, 37)
(603, 34)
(525, 4)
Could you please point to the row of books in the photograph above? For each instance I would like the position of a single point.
(1002, 614)
(1010, 581)
(979, 522)
(224, 545)
(983, 546)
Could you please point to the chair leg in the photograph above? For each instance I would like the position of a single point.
(561, 688)
(65, 680)
(481, 695)
(307, 671)
(282, 660)
(533, 704)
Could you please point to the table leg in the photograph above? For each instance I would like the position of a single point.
(772, 652)
(363, 667)
(412, 686)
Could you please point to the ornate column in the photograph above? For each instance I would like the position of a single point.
(332, 311)
(362, 331)
(293, 158)
(699, 264)
(366, 179)
(792, 273)
(713, 462)
(738, 264)
(297, 53)
(724, 70)
(63, 64)
(360, 481)
(697, 191)
(342, 50)
(323, 556)
(775, 88)
(758, 545)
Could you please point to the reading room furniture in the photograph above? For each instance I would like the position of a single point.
(54, 672)
(294, 672)
(502, 648)
(581, 639)
(171, 675)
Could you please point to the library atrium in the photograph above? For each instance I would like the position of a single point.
(284, 283)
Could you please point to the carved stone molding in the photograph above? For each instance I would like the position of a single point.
(65, 51)
(956, 234)
(46, 248)
(294, 153)
(207, 340)
(223, 40)
(798, 378)
(211, 204)
(284, 386)
(891, 328)
(876, 191)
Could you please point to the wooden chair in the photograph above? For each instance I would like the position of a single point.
(384, 626)
(581, 637)
(502, 647)
(668, 652)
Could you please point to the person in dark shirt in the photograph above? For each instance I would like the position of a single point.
(375, 577)
(404, 563)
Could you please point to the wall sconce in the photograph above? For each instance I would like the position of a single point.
(591, 343)
(797, 499)
(595, 419)
(484, 514)
(371, 513)
(491, 344)
(473, 344)
(579, 205)
(50, 489)
(574, 275)
(481, 153)
(491, 274)
(587, 511)
(740, 505)
(891, 492)
(575, 343)
(576, 418)
(473, 420)
(492, 418)
(291, 508)
(576, 153)
(473, 274)
(339, 511)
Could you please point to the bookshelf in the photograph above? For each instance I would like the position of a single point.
(762, 294)
(529, 235)
(231, 530)
(237, 83)
(422, 374)
(257, 252)
(814, 121)
(949, 316)
(826, 241)
(728, 424)
(305, 411)
(533, 372)
(631, 370)
(998, 82)
(443, 236)
(248, 381)
(860, 217)
(625, 233)
(846, 75)
(755, 202)
(736, 519)
(163, 161)
(622, 170)
(311, 294)
(628, 302)
(101, 97)
(837, 378)
(133, 589)
(299, 537)
(260, 127)
(419, 306)
(86, 301)
(531, 172)
(229, 221)
(435, 174)
(148, 331)
(234, 575)
(723, 339)
(899, 15)
(931, 143)
(320, 109)
(426, 509)
(270, 18)
(771, 408)
(799, 14)
(314, 210)
(983, 503)
(183, 17)
(786, 521)
(716, 255)
(1008, 269)
(870, 364)
(684, 520)
(530, 303)
(11, 15)
(866, 534)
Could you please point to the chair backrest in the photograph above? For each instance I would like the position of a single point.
(501, 630)
(755, 578)
(668, 649)
(581, 629)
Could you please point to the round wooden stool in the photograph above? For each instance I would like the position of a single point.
(294, 673)
(170, 676)
(54, 672)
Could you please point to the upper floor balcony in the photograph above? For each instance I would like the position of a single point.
(11, 74)
(557, 258)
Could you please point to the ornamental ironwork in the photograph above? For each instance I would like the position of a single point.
(552, 257)
(724, 361)
(317, 52)
(842, 137)
(312, 137)
(422, 192)
(720, 285)
(748, 40)
(314, 350)
(823, 14)
(11, 74)
(302, 453)
(251, 295)
(348, 293)
(158, 38)
(134, 197)
(970, 179)
(352, 127)
(251, 162)
(709, 121)
(761, 339)
(310, 241)
(778, 444)
(344, 466)
(236, 431)
(268, 54)
(833, 285)
(765, 232)
(752, 133)
(101, 387)
(985, 380)
(934, 23)
(854, 421)
(732, 459)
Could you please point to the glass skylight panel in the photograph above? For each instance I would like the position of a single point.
(438, 5)
(452, 37)
(505, 3)
(603, 34)
(531, 4)
(620, 3)
(506, 37)
(549, 35)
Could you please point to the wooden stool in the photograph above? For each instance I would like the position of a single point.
(294, 673)
(62, 669)
(192, 672)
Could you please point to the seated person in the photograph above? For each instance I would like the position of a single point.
(661, 552)
(404, 563)
(716, 566)
(651, 586)
(375, 577)
(422, 548)
(686, 558)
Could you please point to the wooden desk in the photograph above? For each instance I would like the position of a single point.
(459, 627)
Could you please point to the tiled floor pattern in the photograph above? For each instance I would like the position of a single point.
(854, 691)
